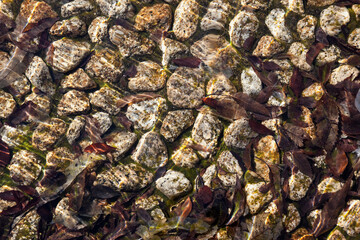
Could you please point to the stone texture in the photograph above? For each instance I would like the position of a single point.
(47, 133)
(60, 158)
(328, 55)
(75, 128)
(230, 169)
(320, 3)
(296, 6)
(116, 8)
(154, 17)
(63, 214)
(98, 29)
(342, 73)
(175, 123)
(354, 38)
(243, 26)
(250, 82)
(329, 185)
(238, 134)
(219, 84)
(332, 18)
(315, 90)
(185, 156)
(75, 7)
(256, 4)
(297, 52)
(106, 99)
(149, 77)
(216, 16)
(151, 151)
(173, 184)
(275, 21)
(26, 227)
(42, 102)
(104, 121)
(292, 218)
(24, 167)
(267, 47)
(122, 141)
(186, 18)
(349, 218)
(306, 27)
(21, 87)
(78, 80)
(298, 184)
(7, 104)
(73, 102)
(171, 49)
(73, 27)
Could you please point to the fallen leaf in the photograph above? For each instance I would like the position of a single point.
(192, 62)
(99, 148)
(5, 156)
(337, 161)
(225, 107)
(259, 128)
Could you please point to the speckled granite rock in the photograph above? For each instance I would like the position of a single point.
(98, 29)
(21, 87)
(349, 219)
(275, 21)
(216, 16)
(73, 27)
(230, 169)
(292, 219)
(256, 4)
(186, 18)
(250, 82)
(116, 8)
(238, 134)
(173, 184)
(60, 158)
(298, 184)
(315, 90)
(149, 77)
(75, 7)
(151, 151)
(328, 55)
(78, 80)
(243, 26)
(63, 214)
(332, 18)
(25, 167)
(11, 135)
(306, 27)
(155, 17)
(74, 130)
(175, 123)
(185, 156)
(46, 134)
(7, 104)
(354, 38)
(106, 98)
(296, 6)
(26, 227)
(343, 72)
(220, 85)
(122, 141)
(104, 121)
(42, 101)
(171, 50)
(267, 47)
(297, 52)
(73, 102)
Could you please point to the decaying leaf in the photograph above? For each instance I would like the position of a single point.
(99, 148)
(296, 82)
(259, 128)
(250, 105)
(192, 62)
(225, 107)
(239, 203)
(5, 156)
(337, 161)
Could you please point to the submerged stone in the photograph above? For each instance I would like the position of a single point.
(173, 184)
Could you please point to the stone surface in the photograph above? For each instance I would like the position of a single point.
(216, 16)
(349, 218)
(186, 18)
(21, 87)
(292, 219)
(230, 169)
(238, 134)
(60, 158)
(24, 167)
(175, 123)
(206, 131)
(128, 177)
(329, 185)
(320, 3)
(39, 76)
(298, 184)
(122, 141)
(220, 85)
(73, 27)
(74, 8)
(243, 26)
(148, 203)
(267, 47)
(26, 227)
(328, 55)
(106, 65)
(154, 17)
(296, 6)
(42, 102)
(332, 18)
(151, 151)
(306, 27)
(297, 52)
(104, 121)
(63, 214)
(185, 156)
(12, 136)
(78, 80)
(145, 114)
(275, 21)
(149, 77)
(75, 128)
(7, 104)
(250, 82)
(315, 90)
(342, 73)
(73, 102)
(354, 38)
(284, 75)
(171, 50)
(186, 87)
(98, 29)
(116, 8)
(130, 42)
(65, 54)
(47, 133)
(106, 99)
(173, 184)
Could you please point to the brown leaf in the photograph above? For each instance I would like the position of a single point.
(123, 120)
(225, 107)
(192, 62)
(248, 155)
(185, 209)
(259, 128)
(296, 82)
(337, 161)
(313, 51)
(77, 191)
(204, 195)
(239, 203)
(301, 161)
(295, 133)
(5, 156)
(99, 148)
(250, 104)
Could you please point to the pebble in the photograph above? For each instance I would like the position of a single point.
(186, 18)
(250, 82)
(75, 128)
(122, 9)
(238, 134)
(7, 104)
(75, 8)
(342, 73)
(78, 80)
(275, 21)
(173, 184)
(297, 52)
(149, 77)
(73, 27)
(47, 133)
(175, 123)
(306, 27)
(333, 18)
(73, 102)
(216, 16)
(25, 167)
(106, 98)
(154, 17)
(122, 141)
(267, 47)
(98, 29)
(243, 26)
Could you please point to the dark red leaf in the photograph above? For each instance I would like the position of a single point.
(343, 45)
(301, 161)
(143, 215)
(77, 191)
(271, 66)
(265, 94)
(337, 161)
(295, 133)
(296, 82)
(131, 71)
(65, 234)
(325, 72)
(258, 66)
(353, 60)
(248, 155)
(185, 209)
(347, 145)
(238, 202)
(265, 188)
(357, 101)
(5, 156)
(28, 110)
(204, 195)
(225, 107)
(249, 42)
(123, 120)
(313, 51)
(351, 125)
(308, 102)
(192, 62)
(53, 177)
(198, 147)
(259, 128)
(321, 36)
(250, 104)
(11, 195)
(99, 148)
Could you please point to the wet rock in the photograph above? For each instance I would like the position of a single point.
(149, 77)
(175, 123)
(296, 6)
(328, 55)
(60, 158)
(148, 203)
(278, 99)
(104, 121)
(35, 11)
(332, 18)
(64, 215)
(275, 21)
(185, 157)
(342, 73)
(154, 17)
(315, 90)
(47, 133)
(298, 184)
(4, 58)
(206, 131)
(256, 4)
(329, 185)
(42, 102)
(65, 54)
(186, 18)
(185, 87)
(151, 151)
(39, 76)
(26, 227)
(307, 119)
(254, 198)
(306, 27)
(354, 38)
(173, 184)
(7, 104)
(267, 47)
(73, 102)
(146, 113)
(158, 215)
(73, 27)
(24, 167)
(302, 234)
(116, 8)
(336, 235)
(172, 49)
(129, 42)
(75, 8)
(75, 128)
(250, 82)
(297, 52)
(219, 84)
(238, 134)
(5, 204)
(320, 3)
(311, 218)
(6, 9)
(284, 75)
(21, 87)
(106, 99)
(243, 26)
(12, 136)
(292, 218)
(349, 218)
(230, 169)
(78, 80)
(106, 65)
(128, 177)
(122, 141)
(272, 124)
(98, 29)
(216, 16)
(356, 9)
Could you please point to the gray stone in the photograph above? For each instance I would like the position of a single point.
(206, 131)
(216, 16)
(186, 18)
(219, 84)
(26, 227)
(73, 27)
(21, 86)
(320, 3)
(172, 49)
(64, 215)
(185, 87)
(239, 134)
(306, 27)
(60, 158)
(243, 26)
(256, 4)
(47, 133)
(116, 8)
(333, 18)
(151, 151)
(297, 52)
(296, 6)
(285, 72)
(106, 98)
(129, 42)
(73, 102)
(173, 184)
(328, 55)
(24, 167)
(7, 104)
(98, 29)
(349, 218)
(122, 141)
(13, 136)
(66, 54)
(275, 21)
(298, 185)
(75, 128)
(267, 47)
(104, 121)
(42, 102)
(185, 156)
(329, 185)
(230, 169)
(154, 17)
(354, 38)
(250, 82)
(175, 123)
(149, 77)
(292, 218)
(78, 80)
(342, 73)
(75, 7)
